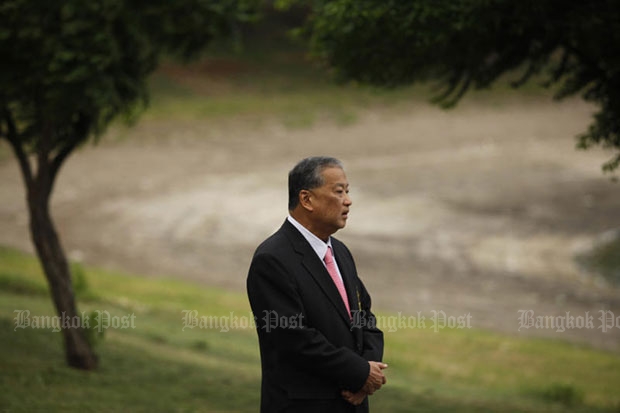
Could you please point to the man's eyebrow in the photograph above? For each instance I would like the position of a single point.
(341, 184)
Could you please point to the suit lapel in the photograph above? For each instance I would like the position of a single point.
(317, 270)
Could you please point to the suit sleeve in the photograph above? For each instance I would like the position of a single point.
(272, 291)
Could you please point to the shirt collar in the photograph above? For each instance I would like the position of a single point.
(315, 242)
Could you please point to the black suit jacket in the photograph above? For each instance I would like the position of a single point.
(310, 348)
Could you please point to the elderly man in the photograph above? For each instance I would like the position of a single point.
(319, 345)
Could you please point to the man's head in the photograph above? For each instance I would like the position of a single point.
(318, 195)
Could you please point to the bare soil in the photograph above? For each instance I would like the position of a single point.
(479, 210)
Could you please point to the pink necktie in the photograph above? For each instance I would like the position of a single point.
(331, 268)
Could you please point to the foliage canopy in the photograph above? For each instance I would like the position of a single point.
(464, 44)
(70, 67)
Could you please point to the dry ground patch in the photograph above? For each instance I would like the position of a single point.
(479, 210)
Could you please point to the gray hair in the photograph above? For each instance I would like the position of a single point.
(307, 175)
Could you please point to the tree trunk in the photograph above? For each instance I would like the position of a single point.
(78, 350)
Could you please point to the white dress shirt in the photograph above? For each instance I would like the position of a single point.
(315, 242)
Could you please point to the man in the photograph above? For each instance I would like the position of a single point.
(320, 349)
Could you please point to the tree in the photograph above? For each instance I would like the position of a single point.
(465, 44)
(68, 69)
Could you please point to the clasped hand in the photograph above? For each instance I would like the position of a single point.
(375, 380)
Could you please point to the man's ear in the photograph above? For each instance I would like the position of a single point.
(305, 199)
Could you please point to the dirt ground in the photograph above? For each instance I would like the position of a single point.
(479, 210)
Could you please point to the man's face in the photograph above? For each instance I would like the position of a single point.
(331, 201)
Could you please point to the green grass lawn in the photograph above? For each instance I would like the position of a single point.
(273, 78)
(298, 98)
(159, 367)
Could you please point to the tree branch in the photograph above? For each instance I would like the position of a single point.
(561, 68)
(44, 147)
(453, 82)
(587, 61)
(60, 157)
(82, 127)
(20, 154)
(532, 68)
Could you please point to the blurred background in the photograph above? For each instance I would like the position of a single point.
(483, 209)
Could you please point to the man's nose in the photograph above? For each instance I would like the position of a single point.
(347, 200)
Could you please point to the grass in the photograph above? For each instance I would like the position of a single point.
(160, 367)
(272, 78)
(296, 101)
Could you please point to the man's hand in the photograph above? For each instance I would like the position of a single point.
(376, 378)
(354, 398)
